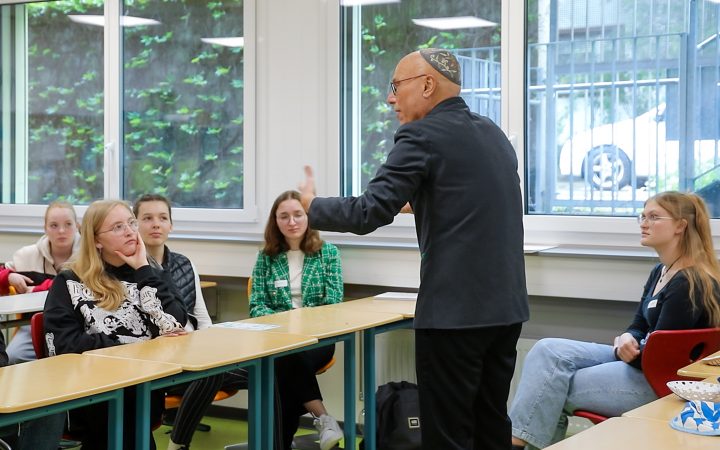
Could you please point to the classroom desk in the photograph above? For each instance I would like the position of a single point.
(662, 409)
(698, 369)
(636, 434)
(51, 385)
(21, 303)
(406, 308)
(330, 324)
(208, 352)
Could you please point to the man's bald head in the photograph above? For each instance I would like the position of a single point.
(422, 79)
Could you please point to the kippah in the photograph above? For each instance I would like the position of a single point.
(444, 62)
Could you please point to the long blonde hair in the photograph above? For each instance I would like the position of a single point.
(696, 248)
(88, 265)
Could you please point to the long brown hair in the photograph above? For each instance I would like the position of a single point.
(696, 248)
(88, 265)
(275, 242)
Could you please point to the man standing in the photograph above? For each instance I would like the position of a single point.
(459, 173)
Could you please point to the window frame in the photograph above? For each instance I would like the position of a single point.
(539, 229)
(196, 222)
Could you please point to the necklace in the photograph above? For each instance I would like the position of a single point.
(666, 269)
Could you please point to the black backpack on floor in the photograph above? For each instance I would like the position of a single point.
(398, 417)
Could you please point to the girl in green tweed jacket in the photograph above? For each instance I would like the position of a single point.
(296, 269)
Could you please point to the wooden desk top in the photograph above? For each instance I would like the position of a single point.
(325, 321)
(207, 284)
(698, 369)
(636, 434)
(208, 348)
(67, 377)
(22, 303)
(405, 308)
(662, 409)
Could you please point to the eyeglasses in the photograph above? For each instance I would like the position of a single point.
(652, 218)
(394, 84)
(296, 217)
(120, 227)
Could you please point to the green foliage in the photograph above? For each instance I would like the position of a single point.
(183, 111)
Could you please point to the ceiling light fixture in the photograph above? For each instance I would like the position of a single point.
(366, 2)
(225, 41)
(99, 21)
(453, 23)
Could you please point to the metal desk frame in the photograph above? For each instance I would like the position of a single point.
(370, 381)
(115, 413)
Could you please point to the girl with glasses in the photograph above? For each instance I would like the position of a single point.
(682, 292)
(109, 295)
(296, 269)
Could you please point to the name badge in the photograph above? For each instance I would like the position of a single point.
(281, 283)
(652, 304)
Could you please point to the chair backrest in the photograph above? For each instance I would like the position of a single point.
(37, 331)
(667, 351)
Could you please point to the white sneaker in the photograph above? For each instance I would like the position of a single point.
(329, 431)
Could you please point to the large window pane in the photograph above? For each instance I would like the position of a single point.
(376, 36)
(51, 102)
(183, 101)
(623, 102)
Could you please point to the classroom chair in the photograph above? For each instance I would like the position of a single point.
(666, 352)
(172, 401)
(37, 332)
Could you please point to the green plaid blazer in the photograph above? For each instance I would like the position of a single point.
(322, 282)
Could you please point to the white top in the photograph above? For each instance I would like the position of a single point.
(200, 311)
(296, 259)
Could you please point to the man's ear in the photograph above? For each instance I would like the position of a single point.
(430, 86)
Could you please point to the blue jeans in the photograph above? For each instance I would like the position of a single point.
(20, 348)
(560, 376)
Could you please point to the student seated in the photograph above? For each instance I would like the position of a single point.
(109, 295)
(154, 215)
(296, 269)
(560, 375)
(33, 267)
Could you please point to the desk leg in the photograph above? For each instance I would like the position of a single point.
(350, 392)
(115, 421)
(255, 407)
(267, 389)
(142, 416)
(369, 433)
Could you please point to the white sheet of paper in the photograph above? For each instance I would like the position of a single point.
(397, 296)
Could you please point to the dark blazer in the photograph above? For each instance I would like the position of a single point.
(459, 171)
